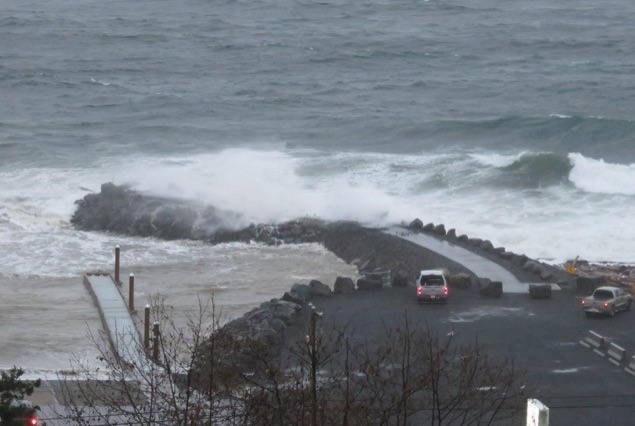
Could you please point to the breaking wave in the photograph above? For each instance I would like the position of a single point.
(526, 170)
(591, 136)
(601, 177)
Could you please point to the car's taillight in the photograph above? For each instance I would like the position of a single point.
(582, 301)
(33, 420)
(419, 291)
(445, 291)
(606, 305)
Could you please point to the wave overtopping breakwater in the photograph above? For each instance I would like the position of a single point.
(122, 210)
(119, 209)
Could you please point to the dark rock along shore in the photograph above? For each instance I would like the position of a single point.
(122, 210)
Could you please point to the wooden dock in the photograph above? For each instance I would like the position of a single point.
(117, 321)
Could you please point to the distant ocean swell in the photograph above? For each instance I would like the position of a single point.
(561, 132)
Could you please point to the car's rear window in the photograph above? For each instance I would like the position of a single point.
(602, 294)
(431, 280)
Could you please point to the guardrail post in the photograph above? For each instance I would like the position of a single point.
(117, 255)
(616, 354)
(131, 293)
(630, 368)
(596, 342)
(146, 328)
(537, 413)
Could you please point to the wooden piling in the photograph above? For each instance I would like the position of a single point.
(146, 328)
(155, 342)
(117, 256)
(131, 293)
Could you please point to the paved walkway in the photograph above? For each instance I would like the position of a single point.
(479, 265)
(118, 324)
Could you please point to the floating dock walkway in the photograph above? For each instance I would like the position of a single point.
(118, 324)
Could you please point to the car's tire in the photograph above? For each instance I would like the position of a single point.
(628, 305)
(588, 314)
(611, 311)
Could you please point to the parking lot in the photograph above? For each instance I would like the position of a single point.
(580, 386)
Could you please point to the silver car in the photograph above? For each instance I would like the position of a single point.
(432, 286)
(607, 300)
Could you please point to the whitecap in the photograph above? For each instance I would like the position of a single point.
(598, 176)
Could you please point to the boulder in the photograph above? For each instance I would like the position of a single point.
(519, 259)
(546, 275)
(538, 269)
(400, 278)
(365, 283)
(499, 250)
(439, 229)
(586, 285)
(482, 282)
(451, 234)
(487, 245)
(343, 285)
(463, 238)
(319, 289)
(460, 280)
(429, 227)
(507, 255)
(416, 225)
(530, 265)
(289, 296)
(476, 242)
(540, 291)
(301, 291)
(299, 231)
(491, 289)
(266, 322)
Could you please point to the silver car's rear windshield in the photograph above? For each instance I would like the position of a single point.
(431, 280)
(602, 295)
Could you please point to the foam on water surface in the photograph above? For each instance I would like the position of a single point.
(463, 191)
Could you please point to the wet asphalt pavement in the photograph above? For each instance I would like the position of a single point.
(579, 386)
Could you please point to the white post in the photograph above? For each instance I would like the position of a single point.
(537, 413)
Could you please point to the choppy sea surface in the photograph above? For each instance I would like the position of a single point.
(507, 120)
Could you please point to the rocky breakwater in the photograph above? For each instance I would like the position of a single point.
(267, 323)
(122, 210)
(117, 208)
(267, 330)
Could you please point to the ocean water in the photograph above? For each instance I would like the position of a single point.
(507, 120)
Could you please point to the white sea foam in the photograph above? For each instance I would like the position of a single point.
(265, 186)
(268, 186)
(497, 160)
(598, 176)
(100, 82)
